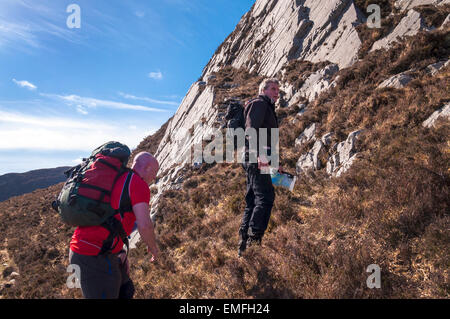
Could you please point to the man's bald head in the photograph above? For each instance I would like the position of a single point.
(146, 165)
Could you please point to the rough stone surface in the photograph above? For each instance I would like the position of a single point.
(277, 31)
(411, 24)
(397, 81)
(446, 22)
(344, 157)
(326, 139)
(442, 112)
(318, 82)
(310, 160)
(409, 4)
(434, 68)
(14, 275)
(307, 135)
(196, 108)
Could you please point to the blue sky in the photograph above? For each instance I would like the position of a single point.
(120, 76)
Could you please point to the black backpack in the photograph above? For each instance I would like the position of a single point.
(235, 115)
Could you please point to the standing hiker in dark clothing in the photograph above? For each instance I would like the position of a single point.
(259, 114)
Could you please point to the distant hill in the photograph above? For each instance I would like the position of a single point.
(14, 184)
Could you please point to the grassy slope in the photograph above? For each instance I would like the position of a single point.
(390, 209)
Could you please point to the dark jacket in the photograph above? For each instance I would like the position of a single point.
(260, 113)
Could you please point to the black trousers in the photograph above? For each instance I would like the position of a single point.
(259, 200)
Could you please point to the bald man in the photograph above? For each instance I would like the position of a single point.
(106, 275)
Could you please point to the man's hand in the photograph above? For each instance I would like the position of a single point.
(262, 162)
(155, 253)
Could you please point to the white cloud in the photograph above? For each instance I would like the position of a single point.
(139, 14)
(46, 122)
(82, 110)
(88, 102)
(25, 84)
(20, 131)
(77, 160)
(20, 32)
(147, 99)
(155, 75)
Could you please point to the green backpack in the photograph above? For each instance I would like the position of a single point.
(86, 195)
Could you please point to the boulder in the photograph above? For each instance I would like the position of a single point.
(434, 68)
(410, 25)
(446, 23)
(443, 112)
(307, 135)
(409, 4)
(344, 157)
(14, 275)
(310, 160)
(397, 81)
(318, 82)
(326, 139)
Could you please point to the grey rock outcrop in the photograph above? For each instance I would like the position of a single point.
(409, 4)
(318, 82)
(183, 130)
(307, 135)
(344, 157)
(314, 85)
(326, 139)
(411, 24)
(277, 31)
(310, 160)
(269, 35)
(443, 112)
(397, 81)
(434, 68)
(446, 23)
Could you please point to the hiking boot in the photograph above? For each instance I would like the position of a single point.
(242, 246)
(253, 242)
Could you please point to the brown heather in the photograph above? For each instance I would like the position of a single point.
(391, 208)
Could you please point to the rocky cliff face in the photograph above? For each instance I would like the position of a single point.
(275, 32)
(268, 38)
(271, 34)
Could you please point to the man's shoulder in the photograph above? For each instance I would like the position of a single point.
(137, 183)
(257, 101)
(254, 100)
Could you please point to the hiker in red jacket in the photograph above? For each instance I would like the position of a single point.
(106, 274)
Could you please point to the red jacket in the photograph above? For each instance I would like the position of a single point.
(88, 240)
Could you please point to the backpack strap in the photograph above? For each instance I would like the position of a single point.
(246, 107)
(115, 226)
